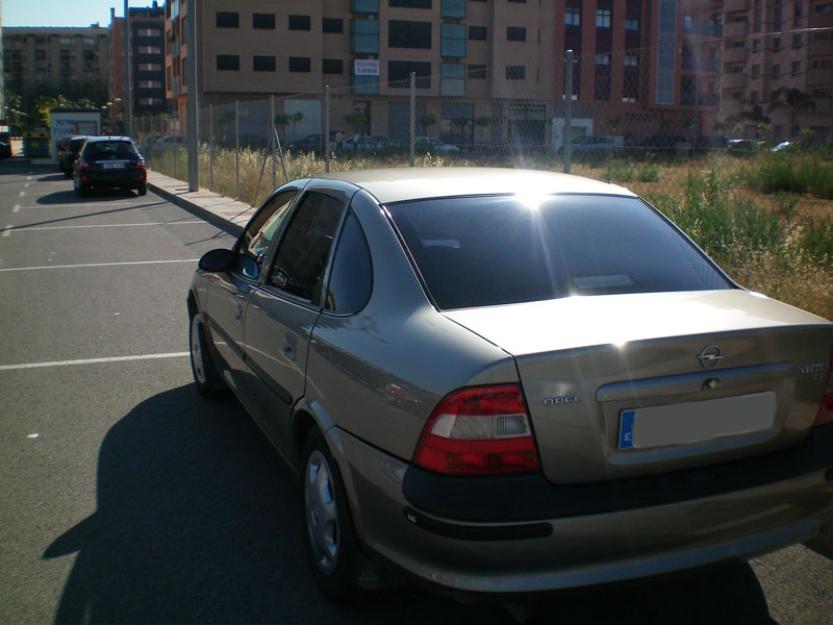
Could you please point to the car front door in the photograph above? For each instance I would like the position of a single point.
(283, 309)
(227, 298)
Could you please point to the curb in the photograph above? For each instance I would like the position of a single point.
(197, 210)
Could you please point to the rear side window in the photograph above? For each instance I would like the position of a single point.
(497, 250)
(109, 149)
(351, 279)
(303, 252)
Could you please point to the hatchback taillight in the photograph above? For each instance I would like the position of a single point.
(83, 166)
(482, 430)
(139, 165)
(825, 414)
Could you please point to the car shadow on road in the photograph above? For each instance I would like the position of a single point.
(53, 178)
(69, 196)
(198, 523)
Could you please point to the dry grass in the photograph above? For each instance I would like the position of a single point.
(779, 243)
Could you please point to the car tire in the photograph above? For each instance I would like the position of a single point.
(82, 190)
(207, 379)
(142, 189)
(330, 542)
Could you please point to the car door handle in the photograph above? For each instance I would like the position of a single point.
(289, 345)
(238, 313)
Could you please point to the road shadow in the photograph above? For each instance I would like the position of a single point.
(69, 196)
(53, 178)
(198, 522)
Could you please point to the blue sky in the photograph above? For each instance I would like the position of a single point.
(63, 12)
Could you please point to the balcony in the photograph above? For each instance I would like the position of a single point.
(738, 28)
(735, 80)
(734, 55)
(819, 76)
(735, 5)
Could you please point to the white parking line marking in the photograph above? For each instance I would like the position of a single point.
(26, 186)
(91, 361)
(22, 193)
(154, 223)
(16, 208)
(28, 177)
(7, 231)
(129, 262)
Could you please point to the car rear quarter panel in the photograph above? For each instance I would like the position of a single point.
(381, 372)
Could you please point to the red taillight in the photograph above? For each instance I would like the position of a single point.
(825, 414)
(482, 430)
(139, 165)
(83, 166)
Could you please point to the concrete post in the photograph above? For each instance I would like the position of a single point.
(193, 121)
(568, 112)
(271, 127)
(237, 149)
(412, 122)
(211, 146)
(327, 128)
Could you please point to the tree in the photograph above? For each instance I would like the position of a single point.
(794, 100)
(357, 120)
(426, 121)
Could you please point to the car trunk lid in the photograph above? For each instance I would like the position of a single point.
(626, 385)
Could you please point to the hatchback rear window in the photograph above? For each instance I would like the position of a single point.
(110, 149)
(481, 251)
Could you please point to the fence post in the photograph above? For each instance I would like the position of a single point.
(568, 113)
(211, 146)
(327, 128)
(272, 137)
(237, 149)
(412, 122)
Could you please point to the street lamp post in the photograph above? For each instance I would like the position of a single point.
(128, 87)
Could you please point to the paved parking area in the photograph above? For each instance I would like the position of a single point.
(126, 498)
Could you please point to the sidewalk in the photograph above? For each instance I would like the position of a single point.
(230, 215)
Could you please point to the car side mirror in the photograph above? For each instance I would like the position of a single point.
(216, 261)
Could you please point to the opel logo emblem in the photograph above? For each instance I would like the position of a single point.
(709, 356)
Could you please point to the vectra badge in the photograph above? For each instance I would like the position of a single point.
(709, 356)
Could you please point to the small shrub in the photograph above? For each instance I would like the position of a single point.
(648, 173)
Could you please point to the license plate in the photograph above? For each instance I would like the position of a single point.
(112, 165)
(694, 422)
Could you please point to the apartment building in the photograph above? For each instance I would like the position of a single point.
(777, 75)
(72, 61)
(147, 57)
(643, 68)
(474, 59)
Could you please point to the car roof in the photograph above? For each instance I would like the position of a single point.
(106, 138)
(414, 183)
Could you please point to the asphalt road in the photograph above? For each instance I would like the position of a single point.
(128, 499)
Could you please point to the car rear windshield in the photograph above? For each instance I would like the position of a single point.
(482, 251)
(110, 149)
(75, 145)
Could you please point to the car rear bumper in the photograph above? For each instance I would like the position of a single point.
(132, 178)
(447, 542)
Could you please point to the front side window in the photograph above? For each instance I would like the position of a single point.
(302, 255)
(259, 234)
(486, 251)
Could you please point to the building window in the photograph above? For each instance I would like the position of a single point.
(149, 32)
(399, 72)
(263, 63)
(332, 25)
(630, 85)
(228, 62)
(406, 34)
(299, 22)
(150, 101)
(796, 40)
(411, 4)
(631, 24)
(453, 9)
(515, 33)
(756, 45)
(150, 84)
(476, 72)
(299, 64)
(666, 55)
(478, 33)
(364, 6)
(332, 66)
(263, 20)
(572, 16)
(228, 19)
(603, 18)
(515, 72)
(365, 36)
(776, 71)
(601, 89)
(452, 79)
(796, 68)
(756, 71)
(150, 67)
(776, 44)
(149, 50)
(453, 40)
